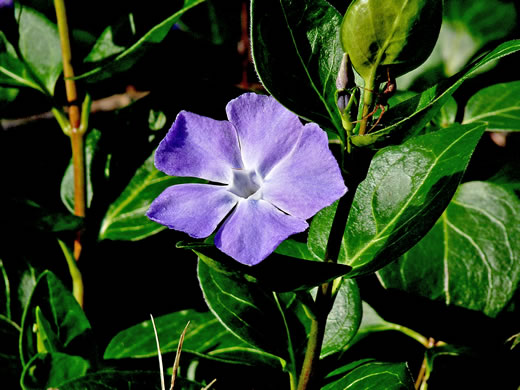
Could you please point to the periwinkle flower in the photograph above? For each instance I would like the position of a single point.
(6, 3)
(268, 173)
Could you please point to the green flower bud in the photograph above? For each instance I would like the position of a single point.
(397, 35)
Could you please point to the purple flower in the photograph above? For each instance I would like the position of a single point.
(6, 3)
(270, 174)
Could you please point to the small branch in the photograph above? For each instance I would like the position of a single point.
(107, 104)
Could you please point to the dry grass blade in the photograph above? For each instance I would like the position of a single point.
(178, 356)
(161, 368)
(210, 384)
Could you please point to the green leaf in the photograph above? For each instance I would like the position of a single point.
(498, 106)
(297, 54)
(471, 258)
(40, 47)
(276, 272)
(246, 310)
(126, 59)
(125, 218)
(52, 370)
(343, 320)
(13, 71)
(410, 116)
(205, 337)
(396, 35)
(106, 45)
(26, 215)
(65, 323)
(406, 190)
(469, 25)
(447, 114)
(319, 230)
(67, 182)
(375, 375)
(296, 249)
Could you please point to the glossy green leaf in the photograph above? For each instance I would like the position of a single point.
(447, 114)
(397, 35)
(126, 59)
(40, 47)
(205, 337)
(497, 105)
(375, 376)
(343, 320)
(276, 272)
(65, 323)
(13, 71)
(52, 370)
(67, 182)
(471, 258)
(246, 310)
(319, 230)
(410, 116)
(469, 25)
(296, 249)
(297, 53)
(406, 190)
(125, 218)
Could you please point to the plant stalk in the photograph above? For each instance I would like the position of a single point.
(77, 132)
(368, 99)
(324, 302)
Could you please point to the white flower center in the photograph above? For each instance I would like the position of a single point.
(244, 182)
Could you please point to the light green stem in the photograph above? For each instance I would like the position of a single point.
(75, 273)
(368, 99)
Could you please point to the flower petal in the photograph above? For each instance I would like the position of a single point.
(254, 230)
(193, 208)
(308, 179)
(267, 131)
(200, 147)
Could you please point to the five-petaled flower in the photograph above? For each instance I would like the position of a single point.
(268, 173)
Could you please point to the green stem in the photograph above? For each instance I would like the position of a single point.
(413, 334)
(75, 273)
(324, 302)
(76, 130)
(368, 99)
